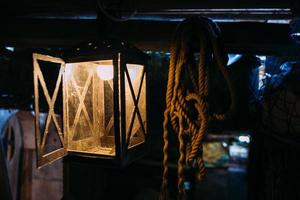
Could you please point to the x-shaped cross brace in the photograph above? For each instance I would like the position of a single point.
(50, 102)
(81, 107)
(135, 101)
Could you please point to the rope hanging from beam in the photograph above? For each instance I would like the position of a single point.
(187, 99)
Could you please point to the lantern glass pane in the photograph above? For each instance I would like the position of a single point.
(135, 95)
(89, 112)
(48, 99)
(52, 141)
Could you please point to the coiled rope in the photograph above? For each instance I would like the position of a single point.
(188, 93)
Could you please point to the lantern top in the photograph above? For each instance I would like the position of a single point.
(103, 49)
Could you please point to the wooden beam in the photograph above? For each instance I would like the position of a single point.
(75, 7)
(147, 35)
(171, 4)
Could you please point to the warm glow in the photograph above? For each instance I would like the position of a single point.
(90, 108)
(135, 129)
(105, 72)
(99, 102)
(69, 71)
(133, 71)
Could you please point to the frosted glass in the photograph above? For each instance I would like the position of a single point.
(135, 130)
(90, 107)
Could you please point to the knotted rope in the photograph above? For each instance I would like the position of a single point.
(188, 93)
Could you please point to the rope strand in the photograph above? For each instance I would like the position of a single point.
(184, 100)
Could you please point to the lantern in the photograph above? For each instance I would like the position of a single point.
(91, 102)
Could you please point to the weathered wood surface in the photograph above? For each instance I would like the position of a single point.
(31, 183)
(37, 184)
(4, 182)
(12, 139)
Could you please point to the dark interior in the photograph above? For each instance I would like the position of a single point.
(253, 155)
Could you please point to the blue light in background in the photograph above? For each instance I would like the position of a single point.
(233, 58)
(12, 49)
(295, 30)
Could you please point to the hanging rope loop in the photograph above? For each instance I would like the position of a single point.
(187, 98)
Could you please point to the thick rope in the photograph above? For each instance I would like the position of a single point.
(181, 192)
(182, 98)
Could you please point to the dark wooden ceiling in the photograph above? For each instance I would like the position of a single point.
(59, 23)
(20, 7)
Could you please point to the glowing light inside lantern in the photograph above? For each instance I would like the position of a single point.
(69, 72)
(91, 96)
(133, 71)
(105, 72)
